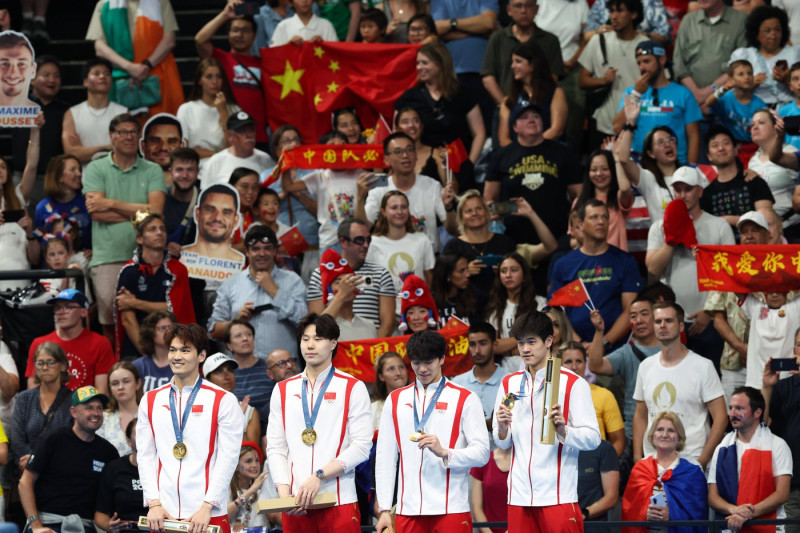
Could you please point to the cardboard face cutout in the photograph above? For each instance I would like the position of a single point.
(17, 70)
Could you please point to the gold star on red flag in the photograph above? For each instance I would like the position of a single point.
(318, 51)
(334, 66)
(333, 87)
(289, 80)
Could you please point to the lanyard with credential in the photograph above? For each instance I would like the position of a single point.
(179, 450)
(420, 424)
(309, 436)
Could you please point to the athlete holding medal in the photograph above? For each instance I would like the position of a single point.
(188, 439)
(438, 431)
(543, 480)
(320, 429)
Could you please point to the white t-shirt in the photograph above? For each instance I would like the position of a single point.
(219, 167)
(92, 124)
(684, 389)
(621, 55)
(781, 181)
(357, 329)
(412, 253)
(565, 19)
(201, 127)
(336, 193)
(424, 203)
(293, 26)
(771, 334)
(681, 271)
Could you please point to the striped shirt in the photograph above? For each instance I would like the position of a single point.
(366, 304)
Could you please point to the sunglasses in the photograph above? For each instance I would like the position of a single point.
(359, 241)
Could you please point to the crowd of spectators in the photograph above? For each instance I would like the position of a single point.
(584, 124)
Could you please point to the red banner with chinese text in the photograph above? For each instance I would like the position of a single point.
(748, 268)
(357, 358)
(334, 156)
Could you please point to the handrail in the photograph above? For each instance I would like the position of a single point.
(9, 275)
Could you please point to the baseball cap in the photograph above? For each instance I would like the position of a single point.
(527, 107)
(240, 120)
(217, 360)
(650, 48)
(84, 394)
(687, 175)
(70, 295)
(755, 217)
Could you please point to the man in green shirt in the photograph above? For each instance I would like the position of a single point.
(116, 187)
(706, 39)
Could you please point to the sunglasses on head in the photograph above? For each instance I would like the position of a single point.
(264, 240)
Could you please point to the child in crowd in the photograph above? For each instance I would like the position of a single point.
(735, 108)
(246, 484)
(267, 208)
(792, 109)
(57, 254)
(346, 121)
(372, 26)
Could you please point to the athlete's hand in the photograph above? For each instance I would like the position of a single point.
(155, 518)
(557, 417)
(200, 519)
(503, 418)
(307, 491)
(431, 442)
(384, 523)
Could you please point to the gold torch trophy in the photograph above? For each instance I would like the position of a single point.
(552, 380)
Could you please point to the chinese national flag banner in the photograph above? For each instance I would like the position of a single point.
(572, 294)
(381, 131)
(456, 155)
(357, 358)
(303, 84)
(293, 242)
(334, 156)
(748, 268)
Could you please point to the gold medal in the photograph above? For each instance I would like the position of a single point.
(309, 436)
(508, 401)
(416, 436)
(179, 450)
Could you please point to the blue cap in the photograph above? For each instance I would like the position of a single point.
(70, 295)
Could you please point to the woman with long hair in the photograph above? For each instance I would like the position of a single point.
(612, 188)
(451, 291)
(447, 112)
(42, 408)
(513, 294)
(390, 375)
(652, 177)
(396, 245)
(244, 488)
(245, 181)
(63, 188)
(562, 327)
(781, 180)
(346, 121)
(205, 114)
(430, 159)
(125, 391)
(532, 84)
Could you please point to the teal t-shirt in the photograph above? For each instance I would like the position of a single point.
(115, 242)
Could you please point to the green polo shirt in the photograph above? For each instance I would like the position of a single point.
(112, 243)
(497, 60)
(702, 49)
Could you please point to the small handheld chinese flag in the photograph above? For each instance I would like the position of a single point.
(457, 154)
(382, 131)
(570, 295)
(294, 242)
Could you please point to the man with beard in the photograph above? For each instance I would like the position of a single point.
(272, 299)
(216, 216)
(161, 135)
(184, 165)
(66, 466)
(663, 103)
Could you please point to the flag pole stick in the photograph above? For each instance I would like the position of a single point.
(593, 308)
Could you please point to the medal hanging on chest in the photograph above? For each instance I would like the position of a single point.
(309, 435)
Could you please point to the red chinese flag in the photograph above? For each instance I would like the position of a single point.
(303, 84)
(382, 130)
(294, 242)
(570, 295)
(456, 154)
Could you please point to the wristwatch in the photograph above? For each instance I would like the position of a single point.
(320, 473)
(31, 519)
(585, 513)
(453, 23)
